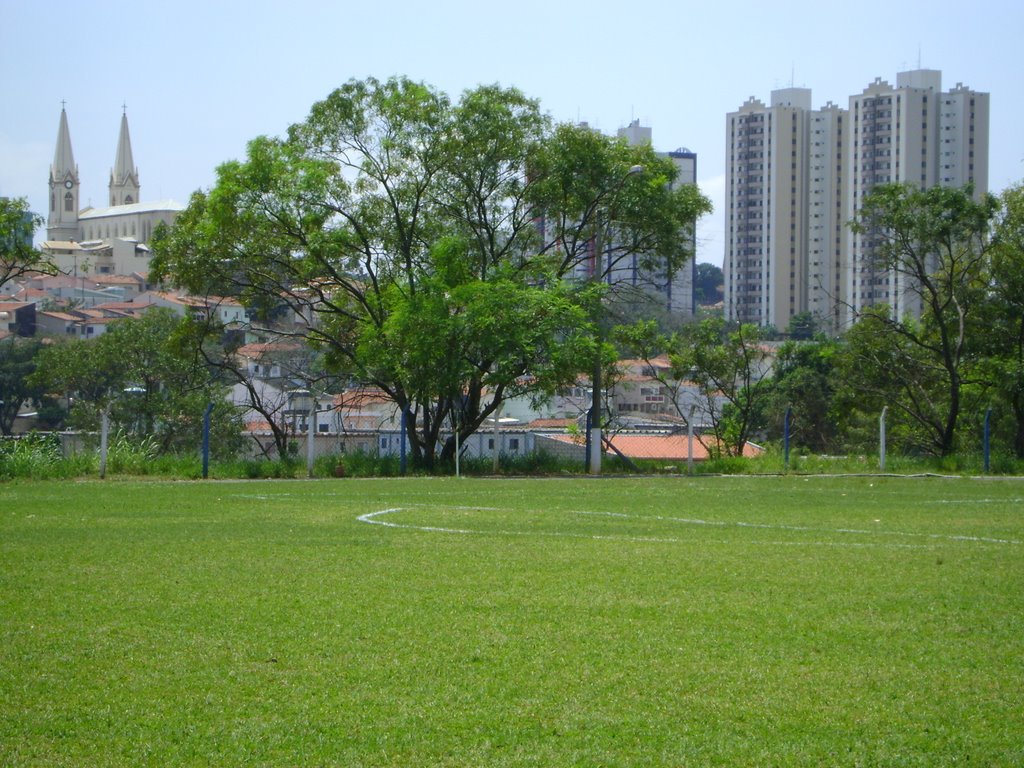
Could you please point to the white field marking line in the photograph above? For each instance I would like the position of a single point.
(371, 518)
(741, 524)
(270, 496)
(974, 501)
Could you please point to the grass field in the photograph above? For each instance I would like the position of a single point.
(438, 622)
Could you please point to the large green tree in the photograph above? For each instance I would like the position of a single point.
(936, 243)
(1004, 322)
(17, 363)
(713, 366)
(803, 382)
(18, 257)
(708, 287)
(136, 372)
(427, 244)
(875, 369)
(265, 374)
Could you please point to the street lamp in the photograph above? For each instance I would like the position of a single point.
(596, 447)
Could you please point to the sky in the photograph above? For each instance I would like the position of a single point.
(198, 80)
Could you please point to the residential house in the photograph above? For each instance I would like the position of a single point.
(17, 318)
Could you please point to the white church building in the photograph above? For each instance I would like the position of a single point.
(108, 240)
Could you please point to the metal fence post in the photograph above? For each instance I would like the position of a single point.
(311, 438)
(586, 455)
(104, 429)
(206, 440)
(689, 440)
(881, 439)
(988, 435)
(785, 438)
(402, 453)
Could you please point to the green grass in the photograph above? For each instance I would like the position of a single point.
(613, 622)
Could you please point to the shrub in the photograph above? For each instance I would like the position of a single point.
(32, 456)
(131, 455)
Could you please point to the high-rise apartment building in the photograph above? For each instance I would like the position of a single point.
(826, 214)
(766, 220)
(653, 290)
(913, 133)
(796, 176)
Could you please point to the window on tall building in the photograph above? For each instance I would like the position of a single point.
(69, 202)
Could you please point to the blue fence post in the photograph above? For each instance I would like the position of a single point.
(785, 432)
(881, 439)
(206, 440)
(988, 435)
(403, 459)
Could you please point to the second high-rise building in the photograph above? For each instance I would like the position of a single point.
(795, 177)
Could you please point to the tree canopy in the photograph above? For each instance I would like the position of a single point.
(708, 286)
(17, 254)
(17, 363)
(136, 371)
(428, 247)
(722, 366)
(1004, 322)
(935, 244)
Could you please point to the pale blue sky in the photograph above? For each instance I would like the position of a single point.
(202, 78)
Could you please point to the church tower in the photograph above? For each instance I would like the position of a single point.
(124, 177)
(62, 223)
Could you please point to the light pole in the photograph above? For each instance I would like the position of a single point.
(595, 276)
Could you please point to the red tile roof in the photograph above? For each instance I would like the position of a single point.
(669, 447)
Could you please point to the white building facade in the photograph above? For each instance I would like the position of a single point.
(766, 191)
(796, 176)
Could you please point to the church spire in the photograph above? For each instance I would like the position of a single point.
(63, 156)
(124, 177)
(62, 223)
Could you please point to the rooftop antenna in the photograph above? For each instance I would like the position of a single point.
(918, 55)
(792, 74)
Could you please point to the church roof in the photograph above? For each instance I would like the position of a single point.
(124, 210)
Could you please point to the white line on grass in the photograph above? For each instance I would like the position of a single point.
(372, 518)
(858, 531)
